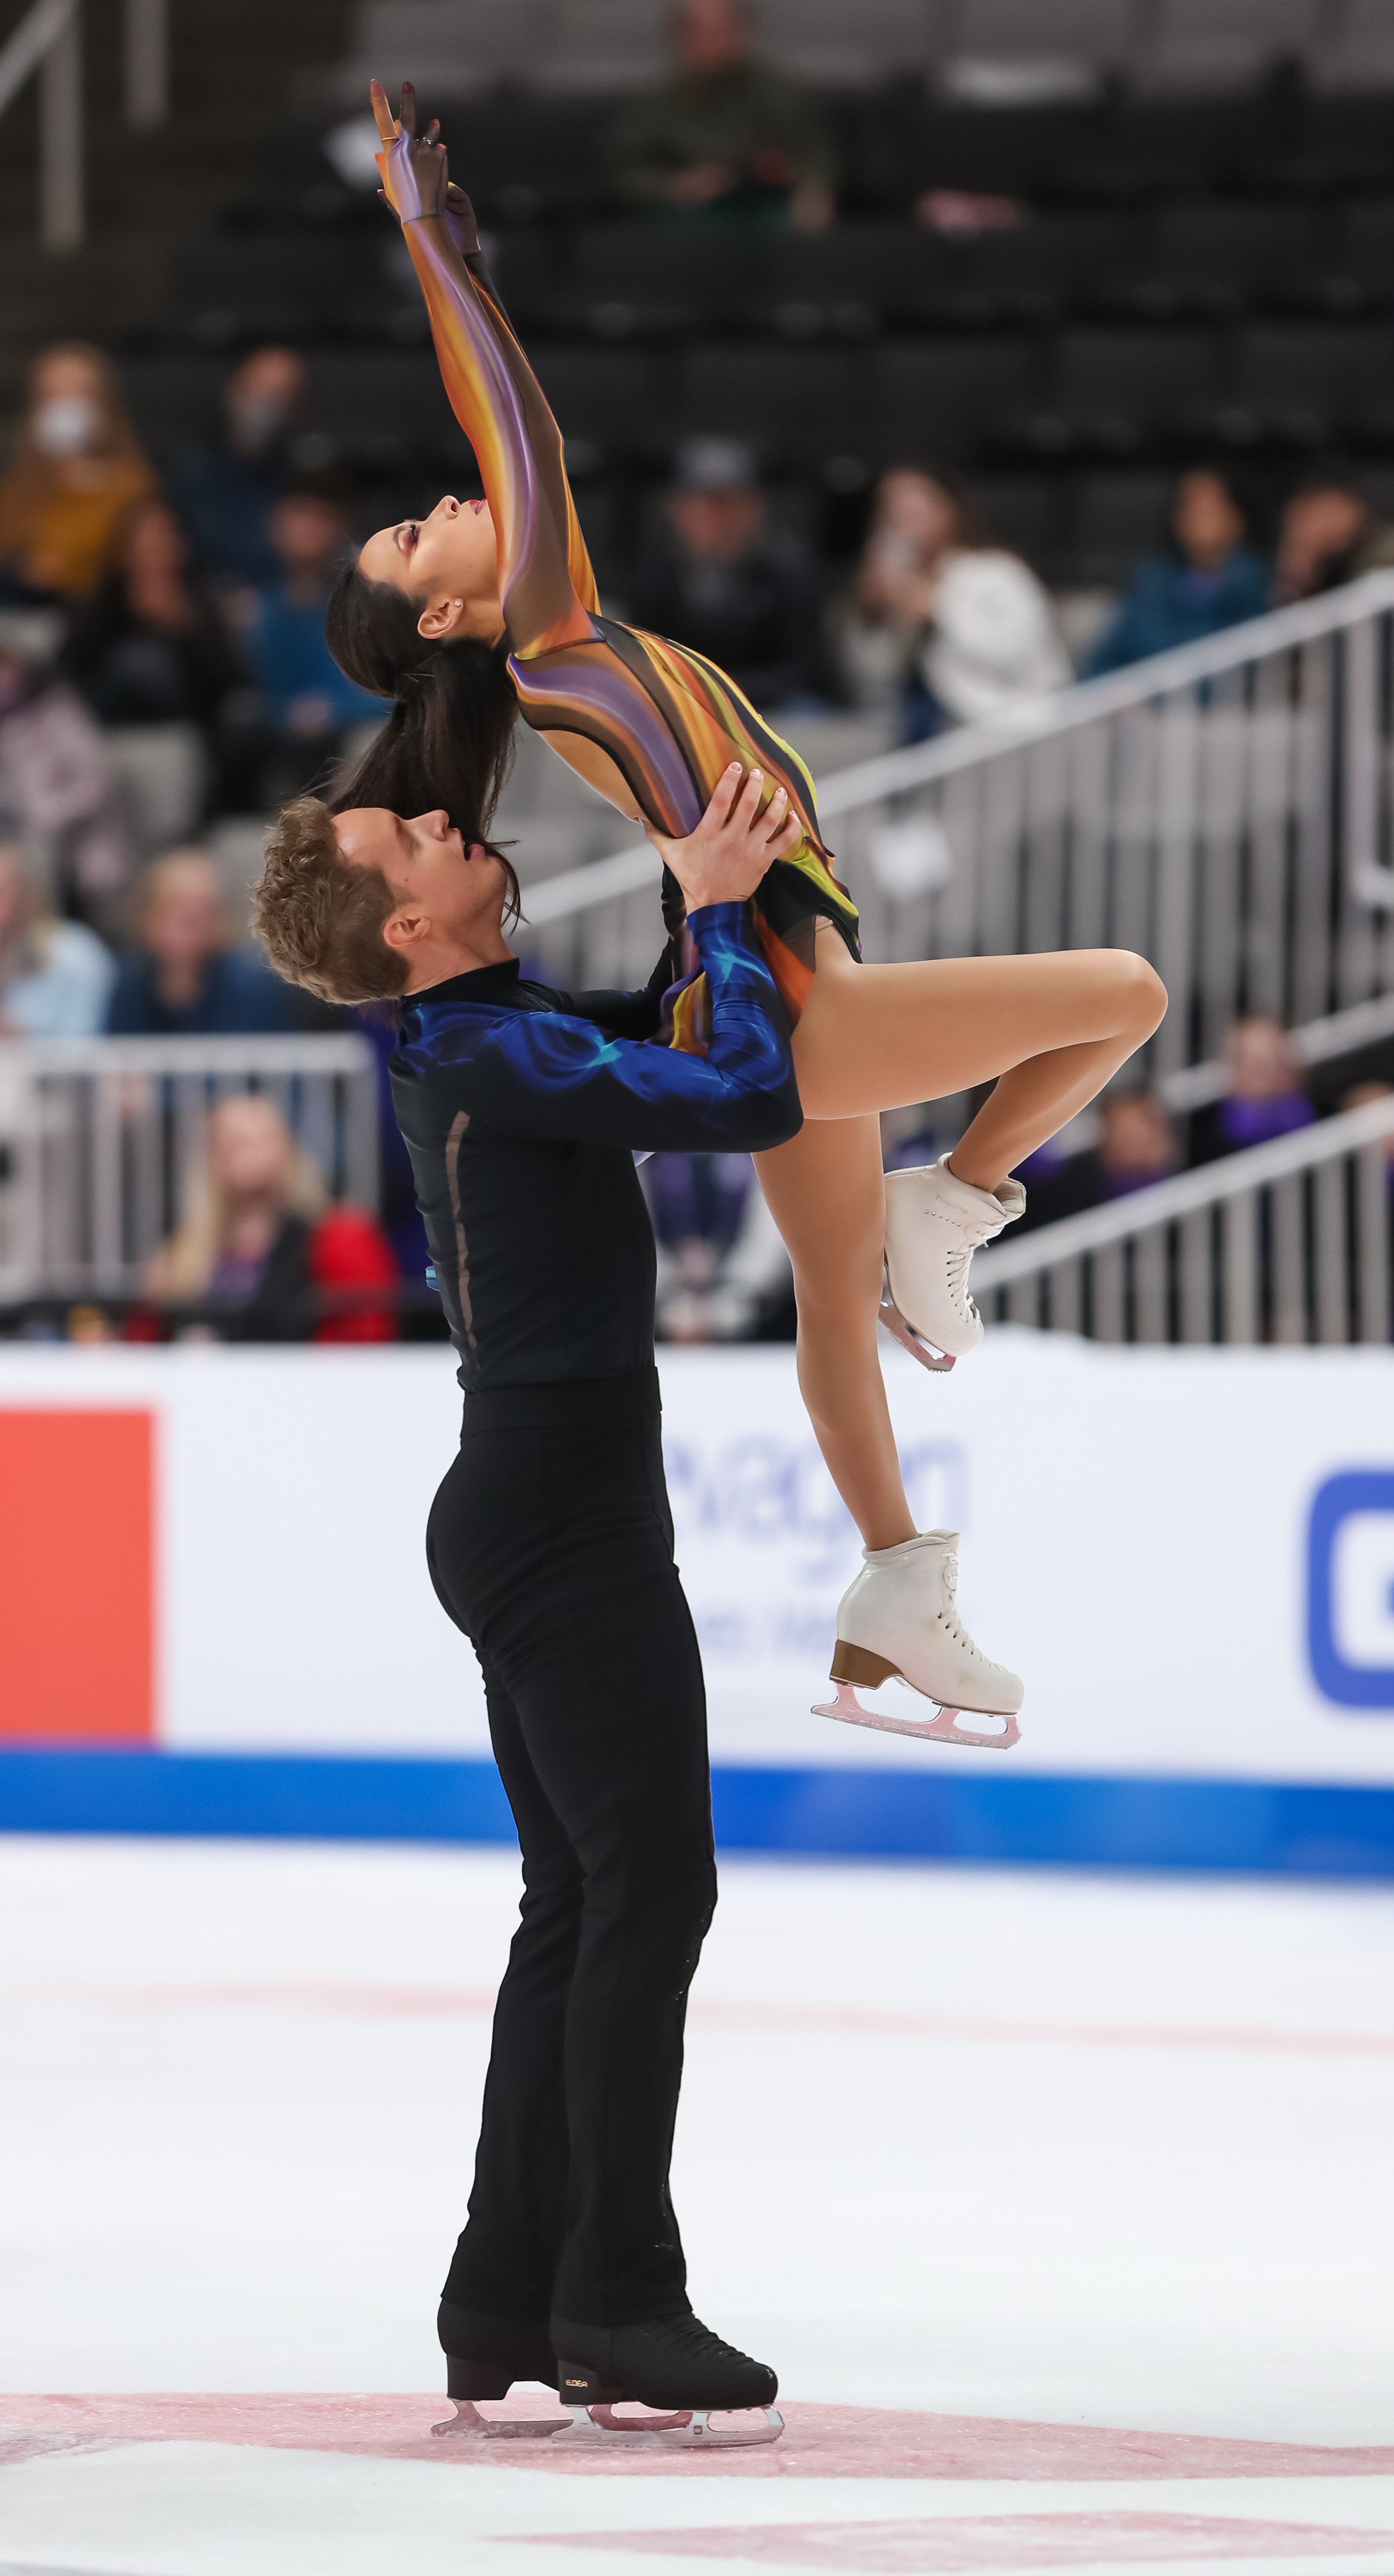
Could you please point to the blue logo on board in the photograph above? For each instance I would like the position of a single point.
(1350, 1588)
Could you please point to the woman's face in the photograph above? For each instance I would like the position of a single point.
(248, 1149)
(155, 547)
(917, 510)
(448, 562)
(68, 414)
(1208, 521)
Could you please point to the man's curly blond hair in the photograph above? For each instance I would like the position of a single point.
(320, 920)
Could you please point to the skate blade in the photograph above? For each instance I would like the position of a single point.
(889, 1314)
(600, 2428)
(468, 2425)
(943, 1729)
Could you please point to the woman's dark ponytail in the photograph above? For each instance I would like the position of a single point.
(449, 738)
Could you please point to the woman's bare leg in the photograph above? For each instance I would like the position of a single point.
(1051, 1029)
(826, 1192)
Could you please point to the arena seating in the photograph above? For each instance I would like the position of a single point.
(1193, 274)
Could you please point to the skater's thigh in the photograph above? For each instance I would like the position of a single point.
(826, 1191)
(550, 1866)
(612, 1711)
(887, 1037)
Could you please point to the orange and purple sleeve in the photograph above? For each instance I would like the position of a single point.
(545, 578)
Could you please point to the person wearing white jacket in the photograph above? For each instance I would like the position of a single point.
(956, 627)
(993, 641)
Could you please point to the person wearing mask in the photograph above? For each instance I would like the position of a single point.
(1264, 1093)
(728, 135)
(306, 703)
(1329, 534)
(940, 618)
(184, 977)
(227, 491)
(724, 581)
(151, 647)
(1209, 578)
(262, 1255)
(55, 976)
(76, 482)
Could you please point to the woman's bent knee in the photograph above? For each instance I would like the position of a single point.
(1141, 993)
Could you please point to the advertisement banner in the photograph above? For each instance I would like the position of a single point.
(1188, 1555)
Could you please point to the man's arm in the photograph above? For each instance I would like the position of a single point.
(549, 1075)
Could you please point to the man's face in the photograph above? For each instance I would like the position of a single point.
(717, 527)
(711, 36)
(307, 533)
(431, 870)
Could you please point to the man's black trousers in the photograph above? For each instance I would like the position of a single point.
(550, 1543)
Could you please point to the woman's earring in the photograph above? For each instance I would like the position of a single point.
(459, 603)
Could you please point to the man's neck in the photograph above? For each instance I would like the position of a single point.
(451, 957)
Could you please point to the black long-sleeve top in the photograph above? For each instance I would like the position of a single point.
(522, 1111)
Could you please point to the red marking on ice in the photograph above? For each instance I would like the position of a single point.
(853, 2021)
(819, 2441)
(968, 2541)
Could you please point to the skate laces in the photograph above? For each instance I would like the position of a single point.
(950, 1621)
(690, 2335)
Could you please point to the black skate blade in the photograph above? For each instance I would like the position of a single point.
(943, 1728)
(889, 1315)
(601, 2428)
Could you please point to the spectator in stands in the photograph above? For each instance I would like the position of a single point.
(1329, 534)
(306, 703)
(227, 492)
(152, 647)
(57, 788)
(939, 617)
(1264, 1093)
(184, 977)
(55, 976)
(1209, 578)
(725, 581)
(261, 1252)
(723, 1272)
(1135, 1146)
(76, 481)
(728, 135)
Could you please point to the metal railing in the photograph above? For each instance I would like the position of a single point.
(1226, 809)
(1286, 1242)
(100, 1139)
(49, 41)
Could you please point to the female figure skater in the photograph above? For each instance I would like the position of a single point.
(491, 606)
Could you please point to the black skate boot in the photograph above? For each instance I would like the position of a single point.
(483, 2357)
(672, 2362)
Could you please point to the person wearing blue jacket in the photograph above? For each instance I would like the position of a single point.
(1209, 579)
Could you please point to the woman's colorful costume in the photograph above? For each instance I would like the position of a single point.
(670, 721)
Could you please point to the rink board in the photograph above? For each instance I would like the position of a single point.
(218, 1618)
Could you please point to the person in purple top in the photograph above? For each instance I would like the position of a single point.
(1264, 1094)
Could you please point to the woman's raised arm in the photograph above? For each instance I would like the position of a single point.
(545, 579)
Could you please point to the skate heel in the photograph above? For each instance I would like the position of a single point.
(858, 1664)
(466, 2381)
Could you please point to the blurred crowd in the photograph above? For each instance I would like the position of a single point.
(163, 668)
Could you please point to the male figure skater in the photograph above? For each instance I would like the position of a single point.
(550, 1544)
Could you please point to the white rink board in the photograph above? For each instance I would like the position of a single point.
(1134, 1542)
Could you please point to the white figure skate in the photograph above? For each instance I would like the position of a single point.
(898, 1621)
(934, 1225)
